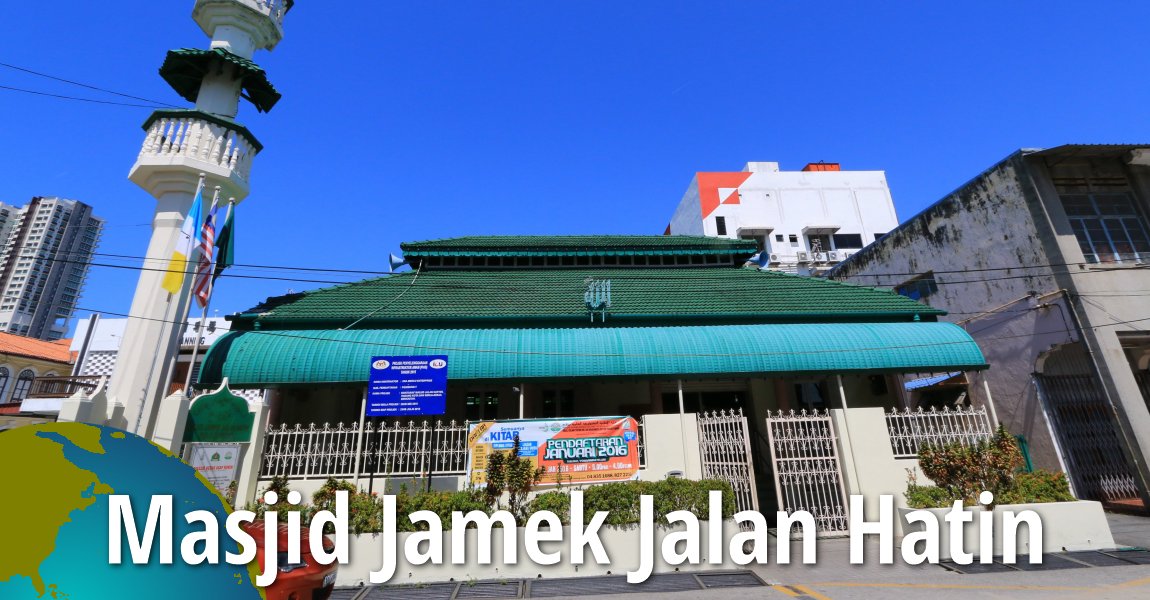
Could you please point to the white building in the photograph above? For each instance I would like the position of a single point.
(804, 221)
(96, 353)
(48, 245)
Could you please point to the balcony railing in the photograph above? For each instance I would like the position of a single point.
(63, 387)
(199, 136)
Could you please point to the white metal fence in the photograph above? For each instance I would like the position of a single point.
(911, 430)
(392, 450)
(725, 450)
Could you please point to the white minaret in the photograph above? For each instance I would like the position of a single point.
(179, 147)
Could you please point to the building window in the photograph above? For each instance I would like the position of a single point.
(819, 243)
(794, 240)
(720, 226)
(778, 237)
(848, 240)
(558, 403)
(919, 288)
(1108, 226)
(23, 385)
(482, 406)
(5, 375)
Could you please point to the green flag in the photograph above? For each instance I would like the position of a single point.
(225, 244)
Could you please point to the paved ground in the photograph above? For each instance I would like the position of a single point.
(834, 578)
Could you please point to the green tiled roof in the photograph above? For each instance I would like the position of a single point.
(184, 70)
(259, 358)
(535, 296)
(577, 245)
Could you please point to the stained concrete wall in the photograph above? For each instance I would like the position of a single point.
(1010, 271)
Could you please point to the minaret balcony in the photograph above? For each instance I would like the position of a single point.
(260, 21)
(184, 143)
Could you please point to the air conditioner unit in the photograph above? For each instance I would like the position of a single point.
(802, 256)
(818, 257)
(847, 255)
(833, 257)
(775, 259)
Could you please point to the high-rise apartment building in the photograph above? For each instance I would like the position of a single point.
(48, 245)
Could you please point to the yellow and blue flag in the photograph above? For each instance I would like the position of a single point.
(186, 243)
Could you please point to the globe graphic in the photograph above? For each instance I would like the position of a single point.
(57, 481)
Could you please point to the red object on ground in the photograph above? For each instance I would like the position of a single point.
(307, 580)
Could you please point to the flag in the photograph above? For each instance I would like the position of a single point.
(202, 288)
(186, 242)
(225, 244)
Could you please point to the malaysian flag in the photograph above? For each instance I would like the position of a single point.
(203, 282)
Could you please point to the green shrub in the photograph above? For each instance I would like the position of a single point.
(557, 502)
(962, 473)
(364, 511)
(279, 485)
(966, 471)
(1039, 486)
(517, 476)
(668, 495)
(692, 496)
(928, 496)
(440, 503)
(620, 499)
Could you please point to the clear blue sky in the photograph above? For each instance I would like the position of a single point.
(425, 119)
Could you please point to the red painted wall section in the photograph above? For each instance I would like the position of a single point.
(709, 184)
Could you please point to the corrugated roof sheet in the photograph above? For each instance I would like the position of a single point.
(661, 295)
(258, 358)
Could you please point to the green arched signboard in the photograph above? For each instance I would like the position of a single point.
(219, 417)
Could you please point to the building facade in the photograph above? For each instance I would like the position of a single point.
(48, 245)
(1044, 259)
(804, 222)
(579, 326)
(25, 360)
(96, 353)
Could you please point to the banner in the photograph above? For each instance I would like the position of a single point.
(216, 462)
(579, 451)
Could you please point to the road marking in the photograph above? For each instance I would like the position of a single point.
(786, 590)
(811, 593)
(944, 586)
(1134, 583)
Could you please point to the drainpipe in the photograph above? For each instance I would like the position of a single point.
(682, 428)
(359, 438)
(990, 403)
(521, 392)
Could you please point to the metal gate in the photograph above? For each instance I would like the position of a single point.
(1084, 423)
(808, 474)
(725, 449)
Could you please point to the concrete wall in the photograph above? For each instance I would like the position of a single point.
(984, 225)
(1010, 270)
(868, 462)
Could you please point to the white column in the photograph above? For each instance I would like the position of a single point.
(142, 369)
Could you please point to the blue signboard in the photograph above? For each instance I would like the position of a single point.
(403, 386)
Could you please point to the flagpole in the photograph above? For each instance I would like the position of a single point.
(209, 273)
(188, 309)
